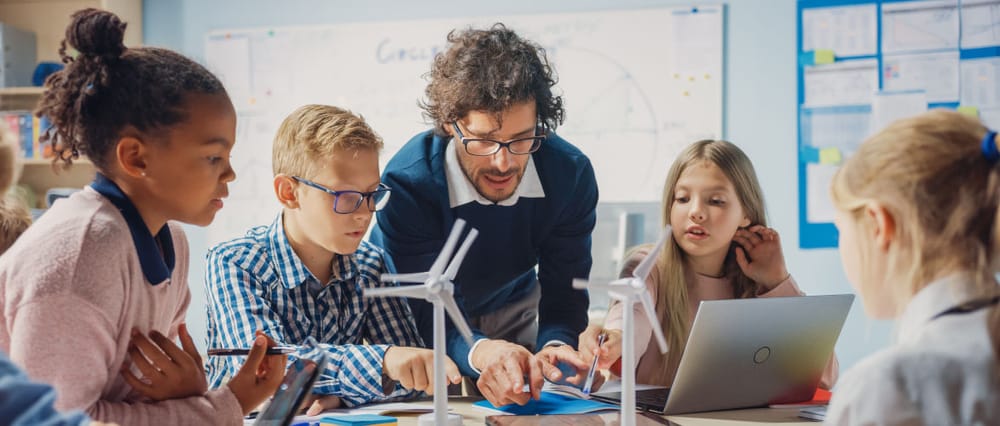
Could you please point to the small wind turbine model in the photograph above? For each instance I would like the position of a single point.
(438, 289)
(631, 290)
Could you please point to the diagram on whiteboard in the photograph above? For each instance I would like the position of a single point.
(629, 106)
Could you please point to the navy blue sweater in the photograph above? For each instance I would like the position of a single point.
(552, 233)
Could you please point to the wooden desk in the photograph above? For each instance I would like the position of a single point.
(789, 416)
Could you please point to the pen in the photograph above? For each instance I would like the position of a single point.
(277, 350)
(593, 366)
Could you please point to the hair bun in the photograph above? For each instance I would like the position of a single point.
(97, 32)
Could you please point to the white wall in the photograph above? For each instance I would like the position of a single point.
(760, 110)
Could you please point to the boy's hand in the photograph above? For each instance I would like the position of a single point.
(414, 368)
(260, 376)
(759, 256)
(168, 371)
(609, 352)
(319, 403)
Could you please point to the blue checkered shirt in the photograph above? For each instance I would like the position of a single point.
(258, 283)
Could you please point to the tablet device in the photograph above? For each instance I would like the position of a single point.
(298, 382)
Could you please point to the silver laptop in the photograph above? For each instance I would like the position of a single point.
(750, 352)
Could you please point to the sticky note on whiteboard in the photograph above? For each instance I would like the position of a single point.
(823, 56)
(969, 110)
(830, 156)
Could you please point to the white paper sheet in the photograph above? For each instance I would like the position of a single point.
(842, 130)
(980, 84)
(819, 206)
(888, 107)
(847, 30)
(841, 83)
(919, 26)
(386, 408)
(990, 117)
(935, 73)
(228, 58)
(980, 23)
(695, 31)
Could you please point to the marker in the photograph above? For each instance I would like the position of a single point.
(593, 366)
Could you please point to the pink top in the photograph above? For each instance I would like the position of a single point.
(700, 287)
(71, 291)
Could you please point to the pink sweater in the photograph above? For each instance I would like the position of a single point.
(71, 290)
(700, 287)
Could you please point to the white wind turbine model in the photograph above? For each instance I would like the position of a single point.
(437, 288)
(632, 290)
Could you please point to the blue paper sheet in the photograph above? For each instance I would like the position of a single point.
(551, 403)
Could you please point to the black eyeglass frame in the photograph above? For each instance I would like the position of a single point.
(536, 142)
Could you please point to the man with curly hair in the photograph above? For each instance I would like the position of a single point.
(494, 160)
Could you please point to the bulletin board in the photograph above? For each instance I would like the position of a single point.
(638, 85)
(864, 64)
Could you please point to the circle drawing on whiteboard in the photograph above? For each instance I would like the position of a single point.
(609, 116)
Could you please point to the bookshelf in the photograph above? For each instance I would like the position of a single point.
(48, 20)
(39, 174)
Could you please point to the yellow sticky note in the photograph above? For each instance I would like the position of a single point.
(830, 156)
(969, 110)
(823, 56)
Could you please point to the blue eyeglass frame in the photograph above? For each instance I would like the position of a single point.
(373, 205)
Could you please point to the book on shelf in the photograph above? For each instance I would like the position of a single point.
(27, 130)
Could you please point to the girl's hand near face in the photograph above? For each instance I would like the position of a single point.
(759, 255)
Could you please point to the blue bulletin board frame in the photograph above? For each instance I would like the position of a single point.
(814, 235)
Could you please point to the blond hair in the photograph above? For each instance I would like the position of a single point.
(316, 132)
(15, 218)
(9, 166)
(929, 172)
(672, 295)
(14, 215)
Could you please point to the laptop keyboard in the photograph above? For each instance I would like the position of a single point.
(653, 398)
(647, 399)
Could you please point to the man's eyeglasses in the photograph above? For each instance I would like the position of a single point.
(345, 202)
(487, 147)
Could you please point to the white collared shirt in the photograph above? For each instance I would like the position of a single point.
(941, 370)
(461, 191)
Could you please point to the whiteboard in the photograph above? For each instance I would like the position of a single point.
(638, 85)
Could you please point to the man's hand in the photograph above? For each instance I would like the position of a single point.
(563, 365)
(503, 366)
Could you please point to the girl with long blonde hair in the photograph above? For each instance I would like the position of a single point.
(721, 249)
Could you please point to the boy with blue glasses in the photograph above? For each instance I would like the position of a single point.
(303, 275)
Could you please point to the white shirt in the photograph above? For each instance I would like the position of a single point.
(461, 191)
(941, 371)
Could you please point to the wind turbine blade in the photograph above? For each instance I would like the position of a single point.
(456, 315)
(416, 277)
(604, 287)
(650, 308)
(415, 291)
(456, 262)
(642, 271)
(449, 245)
